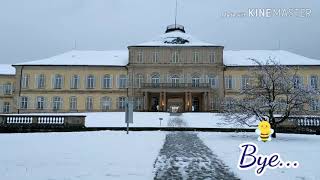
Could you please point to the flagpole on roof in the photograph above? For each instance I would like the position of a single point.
(176, 12)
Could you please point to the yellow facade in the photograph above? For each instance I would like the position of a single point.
(7, 84)
(98, 92)
(66, 92)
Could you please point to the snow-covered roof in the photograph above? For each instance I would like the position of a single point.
(7, 69)
(242, 57)
(175, 38)
(87, 58)
(120, 58)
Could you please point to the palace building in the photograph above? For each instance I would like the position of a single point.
(173, 71)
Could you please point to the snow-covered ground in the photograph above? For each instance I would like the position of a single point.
(115, 155)
(303, 148)
(151, 119)
(84, 156)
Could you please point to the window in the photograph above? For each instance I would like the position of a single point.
(89, 103)
(122, 103)
(175, 81)
(24, 102)
(7, 89)
(195, 81)
(123, 81)
(6, 107)
(40, 102)
(175, 57)
(196, 57)
(140, 57)
(106, 103)
(25, 81)
(212, 57)
(139, 80)
(139, 104)
(229, 83)
(107, 81)
(57, 82)
(155, 80)
(245, 82)
(314, 105)
(91, 81)
(75, 82)
(297, 82)
(73, 103)
(314, 82)
(56, 103)
(40, 81)
(212, 81)
(155, 57)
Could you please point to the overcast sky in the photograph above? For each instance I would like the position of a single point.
(35, 29)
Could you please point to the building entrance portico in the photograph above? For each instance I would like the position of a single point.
(175, 101)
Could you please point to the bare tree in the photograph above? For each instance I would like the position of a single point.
(274, 92)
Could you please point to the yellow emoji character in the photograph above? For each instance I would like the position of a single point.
(264, 131)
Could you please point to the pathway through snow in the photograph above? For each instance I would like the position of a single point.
(185, 156)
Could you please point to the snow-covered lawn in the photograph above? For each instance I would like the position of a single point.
(84, 156)
(151, 119)
(115, 155)
(303, 148)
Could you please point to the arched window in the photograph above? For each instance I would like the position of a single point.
(123, 81)
(155, 80)
(90, 82)
(40, 80)
(7, 88)
(195, 81)
(57, 84)
(106, 103)
(139, 80)
(75, 82)
(107, 81)
(175, 80)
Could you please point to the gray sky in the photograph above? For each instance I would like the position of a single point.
(35, 29)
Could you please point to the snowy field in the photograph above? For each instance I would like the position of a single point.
(151, 119)
(115, 155)
(303, 148)
(79, 156)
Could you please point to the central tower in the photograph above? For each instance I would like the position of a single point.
(176, 72)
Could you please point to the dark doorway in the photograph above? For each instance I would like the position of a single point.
(195, 104)
(154, 103)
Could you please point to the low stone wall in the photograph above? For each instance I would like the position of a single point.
(41, 121)
(303, 121)
(302, 125)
